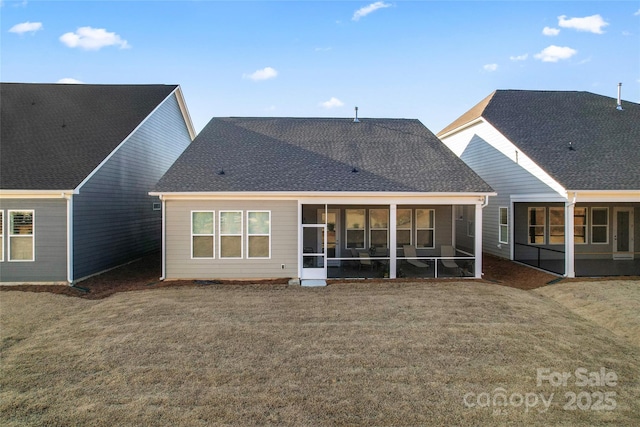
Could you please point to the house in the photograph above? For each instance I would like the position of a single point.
(77, 163)
(317, 198)
(566, 167)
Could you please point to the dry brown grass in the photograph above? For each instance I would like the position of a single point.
(351, 354)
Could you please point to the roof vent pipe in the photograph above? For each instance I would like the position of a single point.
(356, 119)
(619, 107)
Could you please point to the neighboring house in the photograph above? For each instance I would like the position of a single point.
(316, 198)
(77, 163)
(566, 166)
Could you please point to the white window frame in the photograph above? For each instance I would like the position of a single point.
(606, 226)
(213, 235)
(586, 225)
(220, 234)
(503, 237)
(410, 228)
(258, 234)
(543, 225)
(363, 229)
(432, 228)
(564, 229)
(3, 230)
(32, 235)
(378, 229)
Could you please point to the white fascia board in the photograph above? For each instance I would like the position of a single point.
(125, 140)
(334, 197)
(461, 128)
(35, 194)
(185, 112)
(538, 198)
(616, 196)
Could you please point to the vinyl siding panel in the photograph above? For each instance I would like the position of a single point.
(494, 158)
(50, 234)
(284, 242)
(114, 220)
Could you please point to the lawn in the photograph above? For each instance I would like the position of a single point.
(389, 353)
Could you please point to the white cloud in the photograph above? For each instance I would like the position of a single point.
(490, 67)
(26, 27)
(555, 53)
(88, 38)
(364, 11)
(548, 31)
(332, 103)
(69, 80)
(519, 57)
(263, 74)
(637, 13)
(592, 24)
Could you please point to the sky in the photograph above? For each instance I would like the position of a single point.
(426, 60)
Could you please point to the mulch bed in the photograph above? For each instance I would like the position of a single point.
(144, 274)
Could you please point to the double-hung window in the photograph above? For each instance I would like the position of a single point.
(258, 234)
(556, 226)
(503, 231)
(21, 235)
(379, 228)
(230, 232)
(580, 225)
(202, 234)
(599, 225)
(425, 228)
(404, 222)
(355, 228)
(537, 221)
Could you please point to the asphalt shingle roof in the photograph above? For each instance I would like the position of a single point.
(53, 135)
(318, 154)
(605, 141)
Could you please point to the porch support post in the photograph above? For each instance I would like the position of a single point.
(478, 240)
(569, 240)
(300, 258)
(392, 240)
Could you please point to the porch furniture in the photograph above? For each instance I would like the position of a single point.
(365, 260)
(449, 251)
(410, 252)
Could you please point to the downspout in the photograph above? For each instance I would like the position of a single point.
(69, 198)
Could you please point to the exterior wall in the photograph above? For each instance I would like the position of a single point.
(284, 241)
(50, 234)
(464, 241)
(114, 220)
(507, 171)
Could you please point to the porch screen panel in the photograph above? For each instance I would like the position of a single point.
(425, 228)
(537, 220)
(202, 234)
(230, 234)
(355, 228)
(21, 235)
(404, 222)
(556, 226)
(379, 228)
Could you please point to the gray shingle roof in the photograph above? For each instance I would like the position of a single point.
(317, 154)
(605, 141)
(54, 135)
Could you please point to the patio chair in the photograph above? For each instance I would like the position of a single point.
(410, 252)
(365, 260)
(449, 264)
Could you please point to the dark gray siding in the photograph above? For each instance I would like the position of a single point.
(114, 220)
(50, 265)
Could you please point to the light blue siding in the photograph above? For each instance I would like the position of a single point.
(50, 237)
(114, 220)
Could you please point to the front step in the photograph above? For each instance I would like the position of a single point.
(313, 283)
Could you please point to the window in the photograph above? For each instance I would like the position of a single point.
(202, 234)
(258, 234)
(404, 222)
(556, 226)
(21, 236)
(459, 212)
(230, 231)
(379, 228)
(599, 225)
(503, 232)
(1, 235)
(580, 225)
(157, 206)
(425, 228)
(355, 228)
(537, 222)
(471, 228)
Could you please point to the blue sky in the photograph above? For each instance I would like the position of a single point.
(430, 60)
